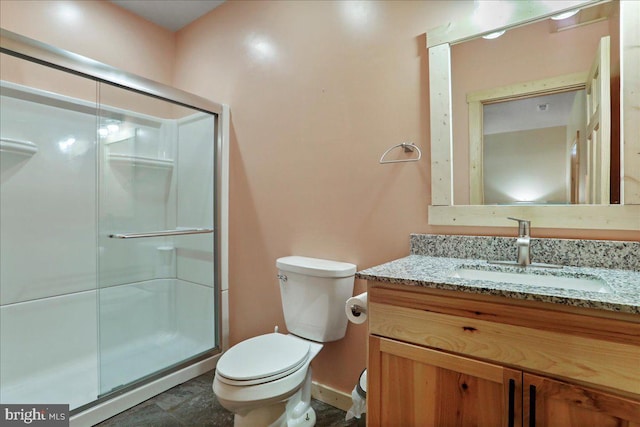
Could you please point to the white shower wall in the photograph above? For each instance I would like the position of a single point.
(47, 201)
(49, 350)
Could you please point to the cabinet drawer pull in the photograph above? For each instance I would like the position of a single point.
(512, 396)
(532, 406)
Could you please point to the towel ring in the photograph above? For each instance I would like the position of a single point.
(408, 147)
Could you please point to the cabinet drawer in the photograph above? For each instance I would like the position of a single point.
(612, 365)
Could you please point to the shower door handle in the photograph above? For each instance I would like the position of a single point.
(162, 233)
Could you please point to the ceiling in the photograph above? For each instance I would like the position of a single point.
(537, 112)
(170, 14)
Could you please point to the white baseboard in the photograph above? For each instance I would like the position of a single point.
(331, 396)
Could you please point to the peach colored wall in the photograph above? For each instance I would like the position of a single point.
(318, 90)
(484, 64)
(97, 29)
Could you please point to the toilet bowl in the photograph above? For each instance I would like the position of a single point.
(278, 367)
(266, 380)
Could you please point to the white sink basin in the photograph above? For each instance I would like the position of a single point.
(589, 284)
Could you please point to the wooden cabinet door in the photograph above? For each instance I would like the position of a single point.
(551, 403)
(411, 385)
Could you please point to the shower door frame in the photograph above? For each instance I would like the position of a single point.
(31, 50)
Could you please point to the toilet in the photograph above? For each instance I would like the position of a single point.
(266, 380)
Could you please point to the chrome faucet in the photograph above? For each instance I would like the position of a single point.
(523, 242)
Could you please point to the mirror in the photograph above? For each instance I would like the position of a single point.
(458, 184)
(502, 92)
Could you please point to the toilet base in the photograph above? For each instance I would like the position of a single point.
(275, 416)
(295, 411)
(268, 416)
(299, 410)
(307, 419)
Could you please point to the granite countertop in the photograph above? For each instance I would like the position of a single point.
(436, 272)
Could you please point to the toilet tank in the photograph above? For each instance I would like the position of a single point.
(313, 293)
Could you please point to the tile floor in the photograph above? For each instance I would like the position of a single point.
(193, 404)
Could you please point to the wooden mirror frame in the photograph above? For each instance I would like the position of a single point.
(442, 211)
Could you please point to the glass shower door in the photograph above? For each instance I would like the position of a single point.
(157, 286)
(48, 341)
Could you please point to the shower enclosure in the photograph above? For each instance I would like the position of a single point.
(109, 231)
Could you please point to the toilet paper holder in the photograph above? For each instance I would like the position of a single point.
(357, 310)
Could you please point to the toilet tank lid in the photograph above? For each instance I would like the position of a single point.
(315, 266)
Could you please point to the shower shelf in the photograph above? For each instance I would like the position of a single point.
(26, 148)
(149, 162)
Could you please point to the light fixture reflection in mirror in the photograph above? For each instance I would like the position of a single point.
(493, 35)
(564, 15)
(521, 192)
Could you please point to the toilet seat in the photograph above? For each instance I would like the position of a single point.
(262, 359)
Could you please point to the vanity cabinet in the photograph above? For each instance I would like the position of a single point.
(444, 358)
(416, 386)
(548, 402)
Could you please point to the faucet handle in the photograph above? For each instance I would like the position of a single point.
(524, 226)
